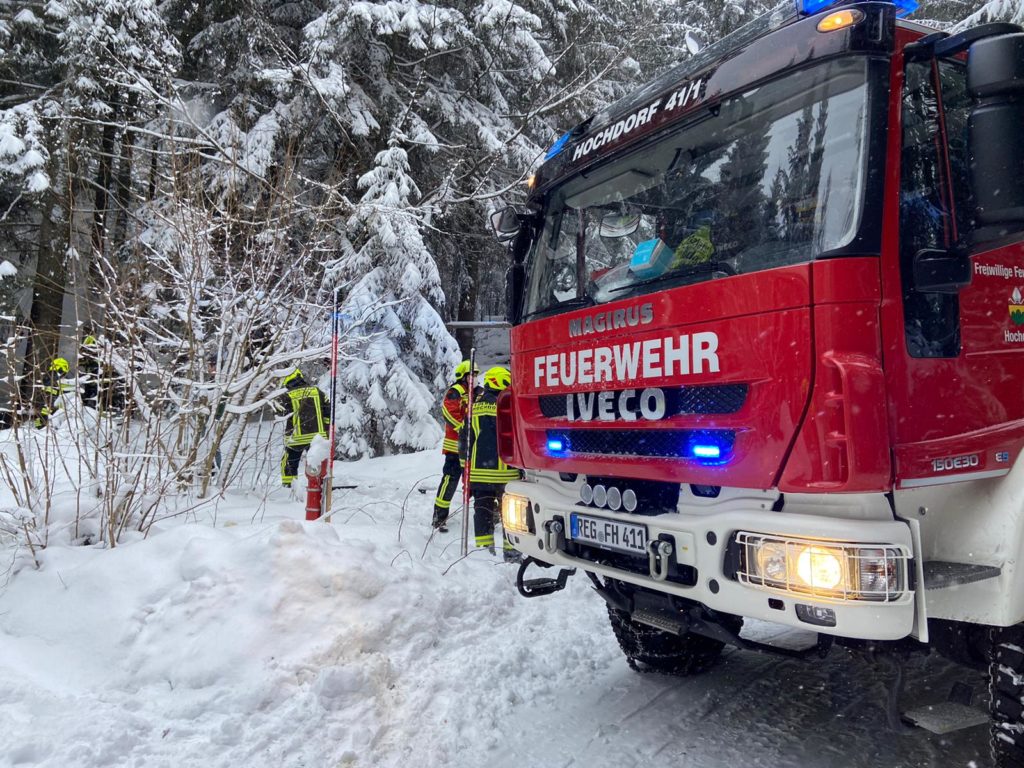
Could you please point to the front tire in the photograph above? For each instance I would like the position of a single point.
(650, 650)
(1006, 687)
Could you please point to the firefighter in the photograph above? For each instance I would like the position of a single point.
(54, 386)
(308, 416)
(488, 474)
(101, 387)
(453, 409)
(89, 371)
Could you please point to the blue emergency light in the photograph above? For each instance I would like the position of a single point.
(558, 146)
(709, 447)
(555, 445)
(811, 7)
(706, 452)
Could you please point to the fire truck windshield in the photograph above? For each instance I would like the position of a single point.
(771, 177)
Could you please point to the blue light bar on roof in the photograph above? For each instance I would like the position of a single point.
(811, 7)
(558, 146)
(905, 7)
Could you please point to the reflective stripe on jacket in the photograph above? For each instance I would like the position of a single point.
(309, 415)
(54, 387)
(486, 465)
(453, 409)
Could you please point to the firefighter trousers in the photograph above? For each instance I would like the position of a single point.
(446, 490)
(290, 463)
(487, 513)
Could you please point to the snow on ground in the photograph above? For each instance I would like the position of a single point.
(252, 638)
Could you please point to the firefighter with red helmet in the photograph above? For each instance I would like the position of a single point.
(488, 474)
(308, 416)
(453, 409)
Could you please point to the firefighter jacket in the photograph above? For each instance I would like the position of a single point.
(485, 464)
(54, 387)
(308, 413)
(89, 377)
(453, 409)
(99, 385)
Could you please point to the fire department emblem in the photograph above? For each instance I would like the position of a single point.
(1017, 307)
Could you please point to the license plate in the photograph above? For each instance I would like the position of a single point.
(610, 534)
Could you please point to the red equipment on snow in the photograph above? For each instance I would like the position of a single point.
(315, 489)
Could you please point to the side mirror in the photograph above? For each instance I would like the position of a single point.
(506, 224)
(995, 79)
(515, 284)
(941, 271)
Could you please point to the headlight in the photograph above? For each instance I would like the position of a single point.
(820, 568)
(828, 569)
(516, 514)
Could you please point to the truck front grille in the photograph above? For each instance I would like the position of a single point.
(714, 399)
(652, 443)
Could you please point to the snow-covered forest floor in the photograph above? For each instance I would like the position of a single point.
(244, 636)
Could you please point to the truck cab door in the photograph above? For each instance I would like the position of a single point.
(933, 201)
(958, 375)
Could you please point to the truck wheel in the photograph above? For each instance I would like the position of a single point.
(1006, 687)
(650, 650)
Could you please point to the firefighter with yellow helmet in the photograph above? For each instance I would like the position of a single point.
(453, 410)
(100, 385)
(308, 416)
(54, 385)
(488, 474)
(89, 371)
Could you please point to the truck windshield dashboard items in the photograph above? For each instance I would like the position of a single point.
(770, 177)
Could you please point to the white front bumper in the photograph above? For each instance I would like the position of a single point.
(701, 541)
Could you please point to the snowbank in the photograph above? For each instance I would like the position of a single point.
(274, 643)
(247, 637)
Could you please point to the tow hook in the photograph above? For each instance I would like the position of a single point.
(658, 552)
(542, 586)
(554, 535)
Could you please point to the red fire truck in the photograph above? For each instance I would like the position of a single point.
(768, 348)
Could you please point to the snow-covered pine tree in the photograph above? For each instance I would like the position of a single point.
(80, 75)
(717, 18)
(391, 377)
(993, 10)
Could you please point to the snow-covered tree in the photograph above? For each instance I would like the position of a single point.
(82, 75)
(391, 380)
(994, 10)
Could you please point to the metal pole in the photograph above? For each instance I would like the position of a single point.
(334, 389)
(467, 424)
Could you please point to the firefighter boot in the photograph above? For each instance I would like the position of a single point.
(440, 522)
(510, 554)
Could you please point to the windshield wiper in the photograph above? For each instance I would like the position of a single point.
(695, 269)
(574, 303)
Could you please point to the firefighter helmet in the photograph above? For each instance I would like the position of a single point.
(463, 368)
(295, 375)
(89, 341)
(497, 378)
(60, 365)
